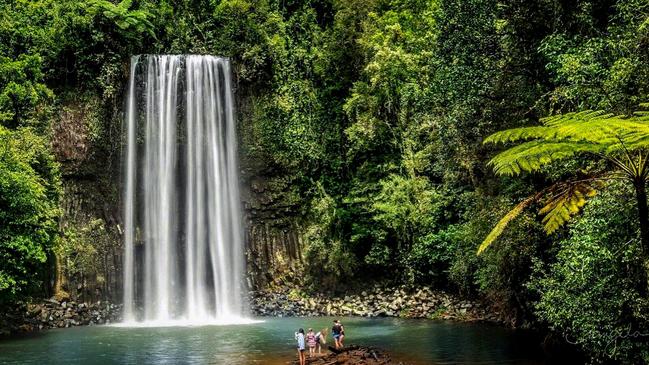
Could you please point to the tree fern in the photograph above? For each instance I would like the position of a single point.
(621, 140)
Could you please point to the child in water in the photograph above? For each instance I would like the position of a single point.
(321, 339)
(336, 333)
(299, 336)
(311, 341)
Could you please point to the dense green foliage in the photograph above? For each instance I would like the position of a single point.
(29, 192)
(374, 113)
(599, 263)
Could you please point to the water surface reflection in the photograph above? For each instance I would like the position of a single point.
(271, 342)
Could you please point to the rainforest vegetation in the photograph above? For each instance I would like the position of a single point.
(496, 149)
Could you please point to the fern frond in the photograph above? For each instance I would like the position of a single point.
(516, 134)
(629, 142)
(602, 129)
(641, 113)
(593, 126)
(563, 136)
(502, 224)
(566, 201)
(532, 155)
(574, 117)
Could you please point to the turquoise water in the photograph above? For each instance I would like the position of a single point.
(271, 342)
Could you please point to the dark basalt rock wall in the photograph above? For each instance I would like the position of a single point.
(86, 143)
(91, 268)
(271, 208)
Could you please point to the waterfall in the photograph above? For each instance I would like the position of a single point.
(183, 245)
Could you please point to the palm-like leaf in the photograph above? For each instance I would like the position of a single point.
(504, 221)
(532, 155)
(606, 132)
(563, 201)
(566, 201)
(559, 137)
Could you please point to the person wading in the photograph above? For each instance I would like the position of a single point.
(336, 332)
(299, 336)
(321, 339)
(310, 340)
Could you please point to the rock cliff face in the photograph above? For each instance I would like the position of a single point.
(87, 141)
(271, 208)
(91, 262)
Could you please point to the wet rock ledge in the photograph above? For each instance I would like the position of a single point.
(355, 355)
(52, 313)
(373, 302)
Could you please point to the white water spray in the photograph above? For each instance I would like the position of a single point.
(183, 259)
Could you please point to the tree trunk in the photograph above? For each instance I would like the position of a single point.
(643, 219)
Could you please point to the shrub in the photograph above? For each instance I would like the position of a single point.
(29, 193)
(592, 295)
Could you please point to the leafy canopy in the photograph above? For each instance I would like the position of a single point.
(127, 20)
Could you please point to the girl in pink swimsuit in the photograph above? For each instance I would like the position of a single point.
(311, 341)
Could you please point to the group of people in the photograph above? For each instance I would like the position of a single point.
(316, 340)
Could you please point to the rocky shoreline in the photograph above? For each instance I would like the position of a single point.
(377, 301)
(52, 313)
(374, 302)
(352, 355)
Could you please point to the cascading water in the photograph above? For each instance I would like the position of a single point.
(183, 258)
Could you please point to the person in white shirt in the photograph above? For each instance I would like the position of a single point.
(299, 336)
